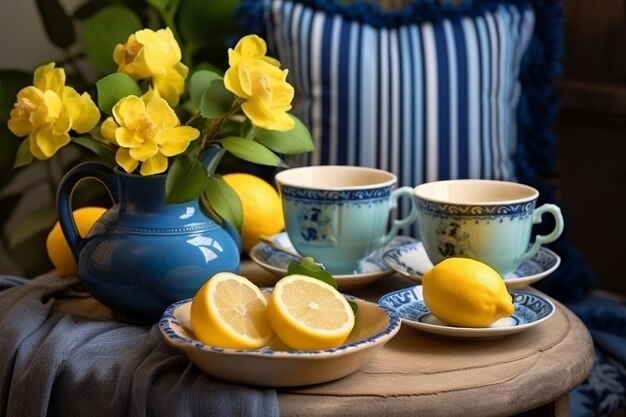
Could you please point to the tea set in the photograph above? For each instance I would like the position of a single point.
(339, 215)
(343, 217)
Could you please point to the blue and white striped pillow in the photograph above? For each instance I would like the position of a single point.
(425, 99)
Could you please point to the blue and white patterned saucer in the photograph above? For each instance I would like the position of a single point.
(411, 261)
(371, 269)
(530, 310)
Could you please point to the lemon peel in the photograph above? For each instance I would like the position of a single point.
(466, 292)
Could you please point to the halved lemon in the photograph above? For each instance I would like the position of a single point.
(229, 311)
(308, 314)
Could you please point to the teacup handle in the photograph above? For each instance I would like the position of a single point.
(409, 219)
(550, 237)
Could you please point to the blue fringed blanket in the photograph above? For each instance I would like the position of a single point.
(57, 363)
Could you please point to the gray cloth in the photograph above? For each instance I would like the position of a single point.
(54, 363)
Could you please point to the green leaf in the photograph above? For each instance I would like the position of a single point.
(11, 82)
(200, 82)
(216, 100)
(58, 25)
(294, 141)
(224, 201)
(23, 156)
(106, 154)
(89, 8)
(307, 266)
(113, 87)
(104, 30)
(202, 21)
(251, 151)
(159, 4)
(186, 179)
(29, 226)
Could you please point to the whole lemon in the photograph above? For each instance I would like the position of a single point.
(57, 247)
(465, 292)
(262, 208)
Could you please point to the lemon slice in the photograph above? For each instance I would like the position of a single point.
(230, 311)
(308, 314)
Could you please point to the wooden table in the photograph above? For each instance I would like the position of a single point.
(420, 374)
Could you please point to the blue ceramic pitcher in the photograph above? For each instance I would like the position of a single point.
(143, 255)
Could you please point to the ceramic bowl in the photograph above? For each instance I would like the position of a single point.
(374, 327)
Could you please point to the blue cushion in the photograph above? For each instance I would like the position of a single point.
(433, 91)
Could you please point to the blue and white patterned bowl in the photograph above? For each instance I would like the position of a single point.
(530, 310)
(375, 326)
(411, 261)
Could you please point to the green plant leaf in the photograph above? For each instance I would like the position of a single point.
(23, 156)
(58, 25)
(160, 4)
(294, 141)
(200, 82)
(201, 21)
(216, 100)
(11, 82)
(186, 179)
(251, 151)
(113, 87)
(30, 225)
(104, 30)
(307, 266)
(89, 8)
(220, 197)
(106, 154)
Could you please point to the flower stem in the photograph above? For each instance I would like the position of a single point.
(217, 124)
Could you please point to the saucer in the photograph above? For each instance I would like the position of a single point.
(530, 310)
(280, 367)
(371, 269)
(412, 262)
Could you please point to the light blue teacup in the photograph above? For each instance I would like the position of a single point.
(490, 221)
(340, 214)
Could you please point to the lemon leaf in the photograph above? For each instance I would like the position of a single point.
(200, 82)
(23, 156)
(223, 200)
(309, 267)
(216, 100)
(113, 87)
(251, 151)
(105, 29)
(294, 141)
(105, 153)
(185, 180)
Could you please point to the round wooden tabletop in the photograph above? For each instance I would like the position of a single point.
(422, 374)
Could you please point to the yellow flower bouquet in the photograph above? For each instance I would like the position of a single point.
(152, 116)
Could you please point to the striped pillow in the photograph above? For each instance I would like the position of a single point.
(426, 100)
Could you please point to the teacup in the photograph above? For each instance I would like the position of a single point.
(490, 221)
(340, 214)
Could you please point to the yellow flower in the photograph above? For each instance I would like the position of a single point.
(259, 80)
(155, 55)
(147, 131)
(48, 110)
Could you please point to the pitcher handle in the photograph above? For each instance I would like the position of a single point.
(69, 181)
(400, 223)
(550, 237)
